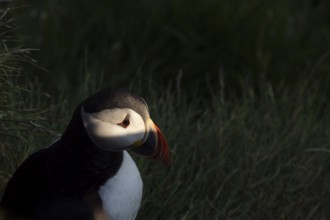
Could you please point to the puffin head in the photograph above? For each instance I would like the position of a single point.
(117, 120)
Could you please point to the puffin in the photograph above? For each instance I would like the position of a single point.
(88, 174)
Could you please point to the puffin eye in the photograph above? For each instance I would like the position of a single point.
(125, 123)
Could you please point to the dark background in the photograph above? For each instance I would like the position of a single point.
(239, 88)
(241, 41)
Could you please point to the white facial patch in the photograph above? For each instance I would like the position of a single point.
(105, 131)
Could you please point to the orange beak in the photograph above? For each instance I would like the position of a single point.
(161, 152)
(155, 146)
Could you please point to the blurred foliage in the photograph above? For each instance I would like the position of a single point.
(280, 41)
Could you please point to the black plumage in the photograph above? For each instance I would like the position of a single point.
(119, 98)
(62, 181)
(69, 170)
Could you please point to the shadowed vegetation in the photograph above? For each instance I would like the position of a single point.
(23, 106)
(280, 40)
(241, 94)
(262, 158)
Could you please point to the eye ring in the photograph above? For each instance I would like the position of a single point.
(125, 123)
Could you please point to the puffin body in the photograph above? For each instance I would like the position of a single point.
(123, 191)
(88, 173)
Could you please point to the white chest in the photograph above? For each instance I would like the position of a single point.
(121, 195)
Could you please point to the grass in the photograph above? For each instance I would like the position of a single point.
(280, 40)
(22, 104)
(257, 150)
(263, 157)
